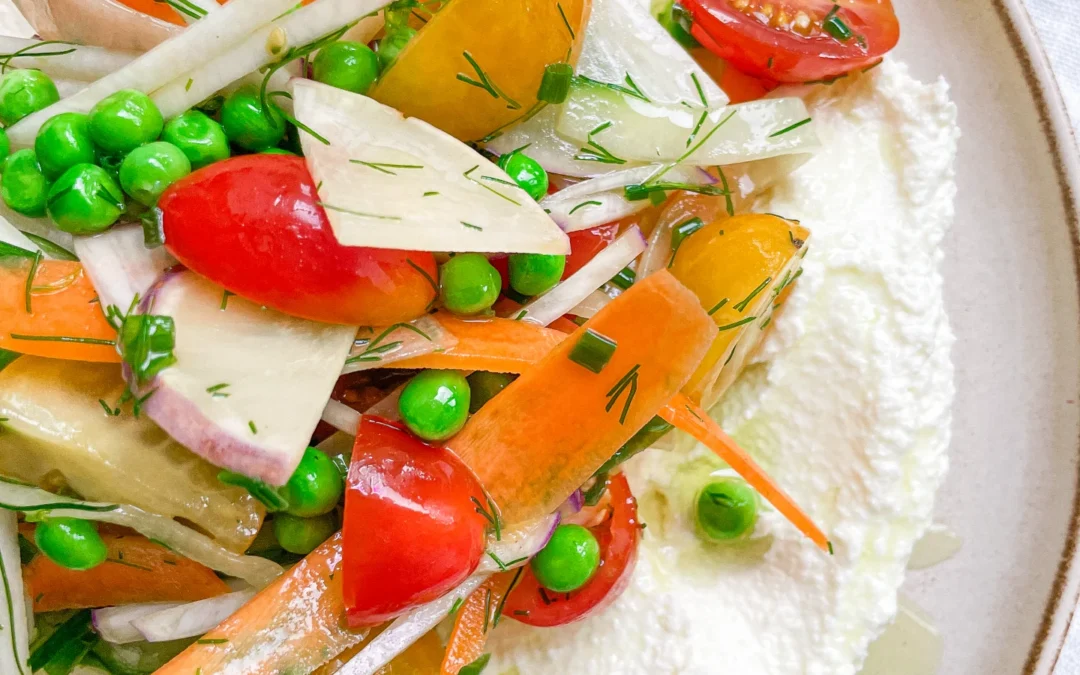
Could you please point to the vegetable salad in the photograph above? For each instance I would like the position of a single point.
(328, 324)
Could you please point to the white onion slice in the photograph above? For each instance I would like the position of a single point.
(592, 304)
(189, 619)
(185, 541)
(114, 625)
(191, 48)
(120, 264)
(14, 628)
(341, 417)
(185, 89)
(601, 200)
(83, 63)
(9, 234)
(594, 274)
(407, 629)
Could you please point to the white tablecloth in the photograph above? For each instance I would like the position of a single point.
(1058, 23)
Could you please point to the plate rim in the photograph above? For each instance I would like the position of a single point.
(1061, 605)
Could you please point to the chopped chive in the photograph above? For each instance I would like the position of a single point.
(555, 85)
(638, 191)
(225, 295)
(624, 279)
(216, 390)
(593, 351)
(835, 26)
(790, 128)
(472, 227)
(187, 87)
(681, 232)
(212, 641)
(251, 425)
(430, 194)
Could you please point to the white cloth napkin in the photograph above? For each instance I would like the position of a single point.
(1058, 24)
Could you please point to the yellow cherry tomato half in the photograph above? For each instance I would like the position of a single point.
(475, 68)
(738, 267)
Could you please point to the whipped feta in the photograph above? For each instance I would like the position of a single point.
(847, 406)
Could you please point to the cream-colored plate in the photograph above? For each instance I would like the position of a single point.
(1004, 601)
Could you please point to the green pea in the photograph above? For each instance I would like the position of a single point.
(5, 145)
(123, 121)
(248, 124)
(71, 543)
(278, 151)
(535, 273)
(469, 284)
(148, 170)
(526, 172)
(351, 66)
(85, 200)
(568, 561)
(726, 509)
(435, 404)
(390, 46)
(315, 487)
(201, 139)
(23, 92)
(303, 535)
(63, 142)
(484, 386)
(24, 187)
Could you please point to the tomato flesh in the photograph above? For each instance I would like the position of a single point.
(412, 531)
(585, 244)
(795, 40)
(618, 536)
(254, 225)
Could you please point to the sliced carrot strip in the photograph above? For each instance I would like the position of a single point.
(63, 310)
(293, 625)
(553, 427)
(691, 418)
(137, 570)
(492, 344)
(476, 617)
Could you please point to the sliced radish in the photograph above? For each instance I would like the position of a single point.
(249, 383)
(387, 181)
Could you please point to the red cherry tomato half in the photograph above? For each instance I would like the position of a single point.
(618, 536)
(585, 244)
(253, 224)
(795, 40)
(412, 532)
